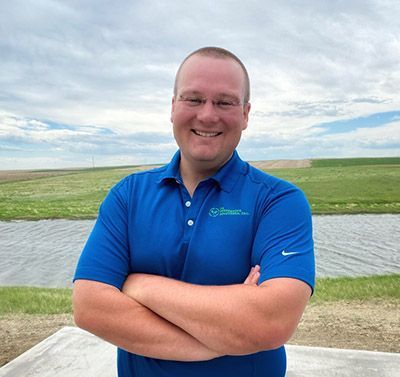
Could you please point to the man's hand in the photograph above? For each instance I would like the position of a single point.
(253, 276)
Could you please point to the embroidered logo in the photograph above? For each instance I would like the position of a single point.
(286, 253)
(222, 211)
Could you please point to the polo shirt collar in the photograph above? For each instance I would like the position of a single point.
(226, 177)
(172, 169)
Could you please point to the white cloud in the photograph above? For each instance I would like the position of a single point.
(28, 142)
(99, 65)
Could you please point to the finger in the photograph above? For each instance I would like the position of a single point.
(255, 277)
(249, 276)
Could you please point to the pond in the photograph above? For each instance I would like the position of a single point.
(44, 253)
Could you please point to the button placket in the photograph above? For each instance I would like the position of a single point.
(189, 211)
(192, 205)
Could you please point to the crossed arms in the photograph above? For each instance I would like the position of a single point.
(168, 319)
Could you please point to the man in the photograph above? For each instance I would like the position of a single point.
(162, 273)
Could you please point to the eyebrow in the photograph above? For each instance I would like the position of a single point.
(219, 95)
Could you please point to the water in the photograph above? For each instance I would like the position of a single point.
(356, 245)
(44, 253)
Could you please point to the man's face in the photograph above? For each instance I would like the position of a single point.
(207, 133)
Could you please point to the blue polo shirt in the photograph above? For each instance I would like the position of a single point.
(237, 218)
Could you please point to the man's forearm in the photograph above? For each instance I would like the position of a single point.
(111, 315)
(222, 317)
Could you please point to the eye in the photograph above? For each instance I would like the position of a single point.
(224, 104)
(192, 101)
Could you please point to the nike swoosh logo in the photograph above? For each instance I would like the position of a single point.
(286, 253)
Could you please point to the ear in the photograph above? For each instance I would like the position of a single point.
(172, 109)
(246, 111)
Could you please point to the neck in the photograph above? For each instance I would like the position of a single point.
(193, 173)
(191, 177)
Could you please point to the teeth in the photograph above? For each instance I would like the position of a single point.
(206, 134)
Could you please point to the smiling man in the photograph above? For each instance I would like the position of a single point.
(202, 267)
(210, 110)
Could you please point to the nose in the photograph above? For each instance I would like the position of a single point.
(207, 113)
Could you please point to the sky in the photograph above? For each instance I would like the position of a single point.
(86, 83)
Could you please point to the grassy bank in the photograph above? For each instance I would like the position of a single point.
(357, 288)
(370, 185)
(348, 186)
(30, 300)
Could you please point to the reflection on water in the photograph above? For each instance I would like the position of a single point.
(44, 253)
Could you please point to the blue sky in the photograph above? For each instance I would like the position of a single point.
(92, 80)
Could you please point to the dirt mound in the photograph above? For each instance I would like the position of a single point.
(279, 164)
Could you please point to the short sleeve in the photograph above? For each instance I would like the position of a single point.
(283, 244)
(105, 257)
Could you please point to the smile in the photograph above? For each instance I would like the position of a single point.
(206, 134)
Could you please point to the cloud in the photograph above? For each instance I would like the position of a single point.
(373, 135)
(98, 75)
(20, 136)
(370, 121)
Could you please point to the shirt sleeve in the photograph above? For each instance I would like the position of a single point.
(105, 257)
(283, 244)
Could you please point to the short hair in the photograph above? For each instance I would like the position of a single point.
(221, 53)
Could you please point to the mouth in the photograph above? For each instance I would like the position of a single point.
(206, 134)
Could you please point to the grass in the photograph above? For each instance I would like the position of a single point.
(348, 189)
(357, 288)
(341, 162)
(344, 162)
(76, 195)
(30, 300)
(332, 186)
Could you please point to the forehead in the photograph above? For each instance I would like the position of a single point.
(211, 76)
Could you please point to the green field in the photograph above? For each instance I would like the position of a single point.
(32, 300)
(340, 162)
(72, 195)
(333, 186)
(346, 186)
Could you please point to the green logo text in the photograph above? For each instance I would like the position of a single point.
(222, 211)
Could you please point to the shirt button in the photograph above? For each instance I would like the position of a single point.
(187, 204)
(190, 222)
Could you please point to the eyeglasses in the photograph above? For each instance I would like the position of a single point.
(224, 104)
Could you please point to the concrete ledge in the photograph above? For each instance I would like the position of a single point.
(69, 352)
(334, 362)
(72, 352)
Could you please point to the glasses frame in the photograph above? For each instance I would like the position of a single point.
(223, 104)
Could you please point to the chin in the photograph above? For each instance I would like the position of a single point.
(211, 161)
